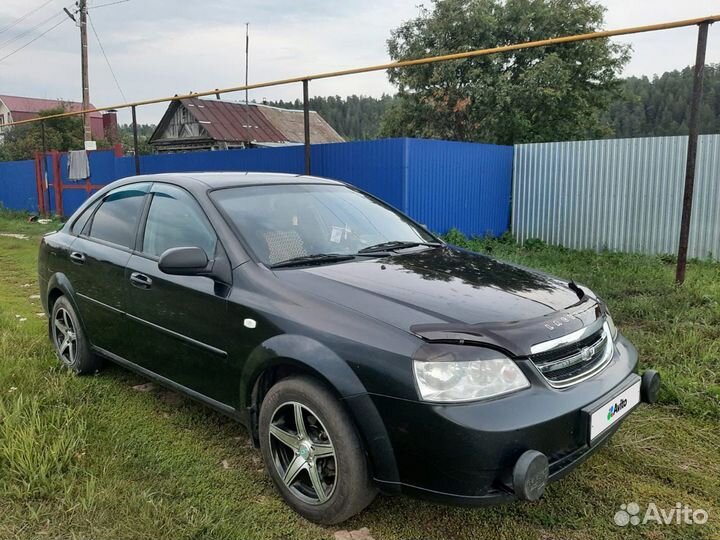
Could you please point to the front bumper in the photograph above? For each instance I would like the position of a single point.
(465, 453)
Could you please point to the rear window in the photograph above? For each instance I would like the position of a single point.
(80, 222)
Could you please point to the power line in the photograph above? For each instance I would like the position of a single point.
(33, 40)
(21, 35)
(107, 60)
(22, 18)
(108, 4)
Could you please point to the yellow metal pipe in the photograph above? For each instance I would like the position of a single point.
(393, 65)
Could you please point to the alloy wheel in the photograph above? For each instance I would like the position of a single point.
(65, 336)
(303, 453)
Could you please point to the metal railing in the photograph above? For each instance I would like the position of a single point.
(702, 22)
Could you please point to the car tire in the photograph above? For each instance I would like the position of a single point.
(344, 477)
(69, 341)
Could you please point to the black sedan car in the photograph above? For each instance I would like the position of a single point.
(361, 352)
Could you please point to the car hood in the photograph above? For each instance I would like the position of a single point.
(445, 288)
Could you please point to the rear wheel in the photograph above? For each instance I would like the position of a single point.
(68, 338)
(313, 453)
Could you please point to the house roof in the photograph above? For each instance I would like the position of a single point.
(25, 108)
(290, 123)
(228, 121)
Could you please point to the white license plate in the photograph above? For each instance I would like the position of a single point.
(614, 410)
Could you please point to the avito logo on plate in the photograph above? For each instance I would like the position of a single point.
(616, 408)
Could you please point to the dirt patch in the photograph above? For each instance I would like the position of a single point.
(360, 534)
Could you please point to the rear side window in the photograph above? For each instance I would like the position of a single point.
(176, 220)
(80, 222)
(117, 218)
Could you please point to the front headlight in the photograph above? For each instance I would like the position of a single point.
(453, 373)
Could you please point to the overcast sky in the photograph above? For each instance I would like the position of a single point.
(163, 47)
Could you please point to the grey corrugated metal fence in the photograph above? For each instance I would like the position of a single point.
(619, 194)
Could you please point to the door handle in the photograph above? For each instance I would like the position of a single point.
(77, 257)
(140, 280)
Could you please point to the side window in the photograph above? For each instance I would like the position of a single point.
(81, 221)
(176, 220)
(117, 218)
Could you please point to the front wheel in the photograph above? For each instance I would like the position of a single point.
(313, 452)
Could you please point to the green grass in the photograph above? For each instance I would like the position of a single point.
(89, 457)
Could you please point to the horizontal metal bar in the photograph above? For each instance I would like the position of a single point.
(567, 339)
(394, 65)
(568, 361)
(83, 186)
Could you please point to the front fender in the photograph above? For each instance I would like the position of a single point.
(303, 352)
(310, 355)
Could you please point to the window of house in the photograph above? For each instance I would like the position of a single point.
(184, 115)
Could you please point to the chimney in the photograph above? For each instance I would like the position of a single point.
(110, 127)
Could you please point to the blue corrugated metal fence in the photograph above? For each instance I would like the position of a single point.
(17, 185)
(439, 183)
(464, 186)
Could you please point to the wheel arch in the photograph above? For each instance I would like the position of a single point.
(59, 285)
(303, 354)
(286, 355)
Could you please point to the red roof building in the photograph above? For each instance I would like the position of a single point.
(208, 124)
(16, 109)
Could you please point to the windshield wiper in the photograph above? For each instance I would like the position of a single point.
(396, 244)
(317, 258)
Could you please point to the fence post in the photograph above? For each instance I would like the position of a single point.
(57, 183)
(135, 141)
(40, 183)
(691, 152)
(46, 188)
(306, 123)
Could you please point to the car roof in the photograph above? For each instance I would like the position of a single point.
(217, 180)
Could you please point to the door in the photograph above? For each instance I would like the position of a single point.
(178, 324)
(97, 270)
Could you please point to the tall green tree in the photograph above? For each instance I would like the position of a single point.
(145, 131)
(550, 93)
(21, 142)
(353, 117)
(660, 106)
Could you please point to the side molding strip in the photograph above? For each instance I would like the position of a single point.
(97, 302)
(195, 342)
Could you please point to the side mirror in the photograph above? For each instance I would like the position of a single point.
(184, 261)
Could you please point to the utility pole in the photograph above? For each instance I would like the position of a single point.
(82, 6)
(82, 23)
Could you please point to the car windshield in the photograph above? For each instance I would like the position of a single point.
(283, 222)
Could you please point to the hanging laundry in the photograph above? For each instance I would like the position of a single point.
(78, 165)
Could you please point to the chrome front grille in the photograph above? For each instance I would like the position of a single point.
(572, 361)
